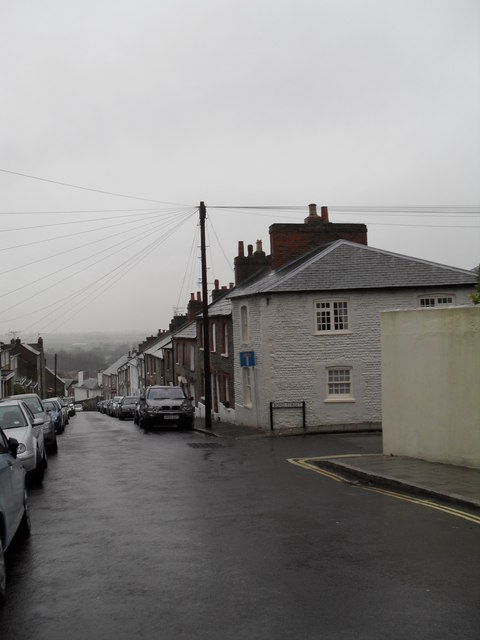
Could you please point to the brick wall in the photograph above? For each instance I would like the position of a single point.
(287, 241)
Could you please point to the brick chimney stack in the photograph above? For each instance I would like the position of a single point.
(289, 241)
(247, 266)
(194, 306)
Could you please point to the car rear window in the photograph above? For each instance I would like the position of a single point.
(33, 404)
(12, 418)
(166, 393)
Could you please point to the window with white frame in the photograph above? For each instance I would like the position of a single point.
(436, 300)
(225, 339)
(244, 323)
(247, 387)
(213, 337)
(192, 357)
(339, 383)
(331, 316)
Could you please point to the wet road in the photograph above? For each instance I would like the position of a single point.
(178, 535)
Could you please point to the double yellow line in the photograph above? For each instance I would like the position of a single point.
(308, 463)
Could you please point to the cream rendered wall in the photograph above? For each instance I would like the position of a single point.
(431, 384)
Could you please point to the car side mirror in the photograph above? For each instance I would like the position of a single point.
(13, 446)
(37, 422)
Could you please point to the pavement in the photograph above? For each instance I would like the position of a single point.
(448, 482)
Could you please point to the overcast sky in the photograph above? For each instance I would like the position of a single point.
(361, 104)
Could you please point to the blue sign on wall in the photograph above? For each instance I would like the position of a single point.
(247, 358)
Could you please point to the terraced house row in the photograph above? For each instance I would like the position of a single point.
(295, 342)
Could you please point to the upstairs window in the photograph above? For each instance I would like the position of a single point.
(213, 337)
(244, 323)
(331, 316)
(436, 301)
(225, 339)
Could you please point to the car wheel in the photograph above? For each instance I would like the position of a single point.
(3, 574)
(37, 474)
(54, 447)
(142, 423)
(25, 526)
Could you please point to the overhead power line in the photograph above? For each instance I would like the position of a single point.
(82, 188)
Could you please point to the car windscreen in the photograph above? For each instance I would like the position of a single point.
(129, 400)
(33, 404)
(50, 406)
(12, 417)
(166, 393)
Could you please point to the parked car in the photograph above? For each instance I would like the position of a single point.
(163, 405)
(126, 407)
(34, 403)
(14, 513)
(79, 407)
(112, 407)
(70, 402)
(17, 421)
(64, 407)
(55, 411)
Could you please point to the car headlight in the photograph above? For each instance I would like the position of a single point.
(21, 448)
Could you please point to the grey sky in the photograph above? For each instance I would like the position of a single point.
(273, 102)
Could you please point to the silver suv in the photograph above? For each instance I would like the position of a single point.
(165, 406)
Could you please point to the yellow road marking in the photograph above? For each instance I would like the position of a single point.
(304, 464)
(307, 463)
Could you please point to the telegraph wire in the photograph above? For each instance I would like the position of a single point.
(109, 278)
(81, 246)
(150, 213)
(76, 186)
(99, 293)
(128, 240)
(77, 233)
(190, 268)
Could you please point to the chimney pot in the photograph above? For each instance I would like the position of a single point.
(324, 211)
(199, 296)
(250, 250)
(217, 284)
(259, 246)
(312, 210)
(241, 251)
(192, 296)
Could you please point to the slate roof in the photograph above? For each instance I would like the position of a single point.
(343, 265)
(221, 307)
(113, 368)
(188, 332)
(159, 345)
(89, 383)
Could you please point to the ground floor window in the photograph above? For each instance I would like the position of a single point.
(247, 387)
(339, 383)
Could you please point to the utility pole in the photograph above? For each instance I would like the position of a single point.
(206, 327)
(55, 379)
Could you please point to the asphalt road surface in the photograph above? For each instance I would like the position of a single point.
(177, 535)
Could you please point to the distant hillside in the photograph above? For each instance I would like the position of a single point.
(89, 352)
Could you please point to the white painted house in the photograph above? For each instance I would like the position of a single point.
(309, 331)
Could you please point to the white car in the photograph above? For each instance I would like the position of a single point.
(17, 421)
(14, 513)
